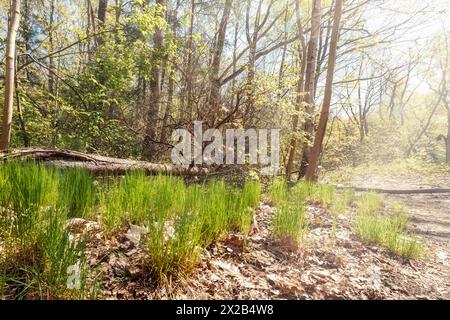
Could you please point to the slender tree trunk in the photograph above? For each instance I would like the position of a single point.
(308, 89)
(10, 73)
(101, 16)
(309, 85)
(173, 19)
(187, 108)
(317, 148)
(214, 95)
(235, 48)
(299, 99)
(447, 140)
(51, 59)
(24, 134)
(252, 39)
(155, 92)
(93, 22)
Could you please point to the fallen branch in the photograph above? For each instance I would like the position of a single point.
(397, 191)
(98, 165)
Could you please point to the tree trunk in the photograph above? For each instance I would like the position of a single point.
(252, 39)
(187, 108)
(214, 95)
(101, 16)
(311, 60)
(23, 129)
(155, 93)
(98, 165)
(299, 98)
(316, 149)
(10, 73)
(447, 139)
(173, 19)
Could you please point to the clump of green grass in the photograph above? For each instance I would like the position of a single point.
(241, 205)
(322, 193)
(389, 232)
(136, 188)
(36, 201)
(369, 203)
(343, 200)
(289, 222)
(213, 211)
(112, 207)
(76, 191)
(314, 192)
(28, 190)
(175, 245)
(137, 198)
(167, 195)
(209, 211)
(397, 207)
(278, 191)
(385, 230)
(37, 267)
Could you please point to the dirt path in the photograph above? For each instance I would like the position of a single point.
(429, 213)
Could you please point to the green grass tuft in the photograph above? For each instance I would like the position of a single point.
(278, 191)
(388, 231)
(289, 223)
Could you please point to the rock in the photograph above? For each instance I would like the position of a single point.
(134, 233)
(226, 266)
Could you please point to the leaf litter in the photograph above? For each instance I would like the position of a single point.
(330, 263)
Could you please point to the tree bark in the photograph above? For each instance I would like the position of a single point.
(155, 92)
(98, 165)
(300, 98)
(214, 94)
(173, 20)
(308, 98)
(101, 16)
(447, 140)
(10, 73)
(309, 85)
(317, 148)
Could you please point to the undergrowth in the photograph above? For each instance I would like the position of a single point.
(388, 231)
(36, 202)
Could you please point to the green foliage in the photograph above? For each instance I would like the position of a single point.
(386, 230)
(343, 200)
(36, 248)
(174, 245)
(289, 222)
(36, 201)
(369, 203)
(76, 192)
(27, 191)
(278, 191)
(314, 192)
(112, 207)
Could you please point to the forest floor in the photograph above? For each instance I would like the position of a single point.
(332, 263)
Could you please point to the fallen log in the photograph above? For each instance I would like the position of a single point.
(98, 165)
(398, 191)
